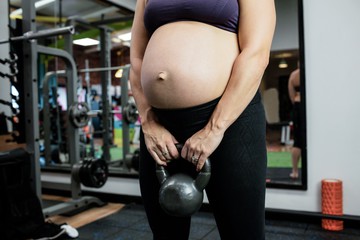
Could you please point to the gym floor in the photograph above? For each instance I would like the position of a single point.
(130, 223)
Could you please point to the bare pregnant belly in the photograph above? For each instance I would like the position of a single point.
(187, 64)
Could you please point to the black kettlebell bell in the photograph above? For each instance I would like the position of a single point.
(180, 195)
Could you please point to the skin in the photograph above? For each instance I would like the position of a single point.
(173, 70)
(294, 81)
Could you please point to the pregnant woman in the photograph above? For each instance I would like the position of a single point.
(196, 66)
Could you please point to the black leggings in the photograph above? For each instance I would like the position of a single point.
(236, 191)
(297, 126)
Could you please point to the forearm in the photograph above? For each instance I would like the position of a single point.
(142, 104)
(139, 43)
(255, 37)
(244, 81)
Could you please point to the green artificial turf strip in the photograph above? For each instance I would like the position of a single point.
(280, 159)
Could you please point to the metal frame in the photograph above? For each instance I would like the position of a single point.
(46, 113)
(71, 90)
(124, 100)
(31, 51)
(31, 95)
(46, 109)
(105, 61)
(78, 201)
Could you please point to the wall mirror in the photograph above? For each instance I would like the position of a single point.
(284, 103)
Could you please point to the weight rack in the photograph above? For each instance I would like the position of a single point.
(31, 51)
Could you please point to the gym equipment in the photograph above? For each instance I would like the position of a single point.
(41, 34)
(89, 70)
(80, 113)
(11, 61)
(132, 160)
(53, 122)
(12, 64)
(78, 201)
(15, 111)
(124, 101)
(29, 54)
(180, 195)
(91, 172)
(130, 112)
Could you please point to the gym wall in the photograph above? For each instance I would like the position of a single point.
(286, 36)
(332, 38)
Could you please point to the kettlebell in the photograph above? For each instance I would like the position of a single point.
(180, 194)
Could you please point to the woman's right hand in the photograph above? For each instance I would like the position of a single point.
(160, 143)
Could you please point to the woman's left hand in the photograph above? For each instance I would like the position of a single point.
(200, 146)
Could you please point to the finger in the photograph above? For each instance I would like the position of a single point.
(201, 162)
(184, 152)
(155, 153)
(193, 156)
(173, 152)
(202, 159)
(165, 154)
(188, 152)
(194, 160)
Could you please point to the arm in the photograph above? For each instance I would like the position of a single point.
(151, 128)
(139, 40)
(291, 88)
(256, 28)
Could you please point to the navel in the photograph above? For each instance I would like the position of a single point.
(162, 76)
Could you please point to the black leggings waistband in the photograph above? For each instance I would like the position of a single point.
(184, 122)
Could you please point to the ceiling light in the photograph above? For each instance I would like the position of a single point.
(86, 42)
(283, 55)
(283, 64)
(119, 73)
(125, 37)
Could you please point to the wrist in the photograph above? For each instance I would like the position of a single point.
(148, 118)
(216, 128)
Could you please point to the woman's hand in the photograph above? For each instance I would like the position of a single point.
(160, 143)
(200, 146)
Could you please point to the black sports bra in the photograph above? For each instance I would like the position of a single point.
(223, 14)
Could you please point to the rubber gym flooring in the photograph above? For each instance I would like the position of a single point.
(130, 223)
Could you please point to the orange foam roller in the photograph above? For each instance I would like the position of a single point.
(332, 203)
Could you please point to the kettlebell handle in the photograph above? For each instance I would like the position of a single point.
(201, 180)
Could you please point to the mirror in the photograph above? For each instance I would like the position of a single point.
(283, 94)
